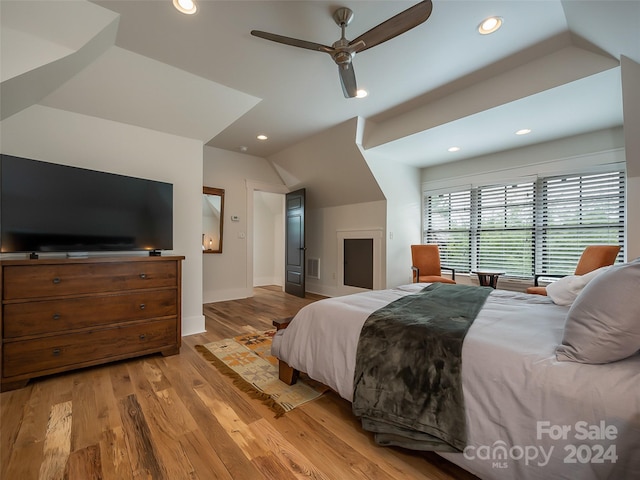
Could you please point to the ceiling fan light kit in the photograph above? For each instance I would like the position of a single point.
(343, 51)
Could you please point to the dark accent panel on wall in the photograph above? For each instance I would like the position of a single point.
(358, 262)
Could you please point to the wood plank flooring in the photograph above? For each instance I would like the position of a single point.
(174, 418)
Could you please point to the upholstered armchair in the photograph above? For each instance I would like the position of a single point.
(592, 258)
(426, 265)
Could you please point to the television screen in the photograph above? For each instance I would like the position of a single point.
(47, 207)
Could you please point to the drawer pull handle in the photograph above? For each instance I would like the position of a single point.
(142, 306)
(142, 336)
(56, 280)
(143, 276)
(56, 352)
(56, 316)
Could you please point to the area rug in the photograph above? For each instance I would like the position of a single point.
(247, 359)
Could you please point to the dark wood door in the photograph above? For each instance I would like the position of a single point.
(295, 246)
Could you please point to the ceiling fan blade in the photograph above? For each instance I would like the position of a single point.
(292, 41)
(348, 80)
(402, 22)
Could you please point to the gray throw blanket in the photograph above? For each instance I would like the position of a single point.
(408, 382)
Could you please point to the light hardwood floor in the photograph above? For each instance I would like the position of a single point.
(175, 418)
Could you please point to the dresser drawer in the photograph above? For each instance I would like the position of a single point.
(50, 354)
(57, 316)
(34, 281)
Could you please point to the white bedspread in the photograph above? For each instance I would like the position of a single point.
(528, 415)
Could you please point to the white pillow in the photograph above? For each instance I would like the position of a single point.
(565, 290)
(603, 324)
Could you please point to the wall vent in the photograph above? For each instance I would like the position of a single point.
(313, 268)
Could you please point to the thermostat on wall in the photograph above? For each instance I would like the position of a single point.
(235, 218)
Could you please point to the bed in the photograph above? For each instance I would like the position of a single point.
(542, 399)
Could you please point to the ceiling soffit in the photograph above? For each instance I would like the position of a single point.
(43, 46)
(556, 69)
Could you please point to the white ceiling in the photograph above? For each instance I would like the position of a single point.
(553, 67)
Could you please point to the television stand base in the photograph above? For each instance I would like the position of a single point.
(155, 253)
(77, 254)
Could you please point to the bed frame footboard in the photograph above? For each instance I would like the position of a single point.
(286, 374)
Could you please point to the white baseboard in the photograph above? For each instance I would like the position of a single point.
(192, 325)
(224, 295)
(266, 281)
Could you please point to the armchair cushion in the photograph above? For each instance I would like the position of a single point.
(434, 278)
(602, 325)
(537, 290)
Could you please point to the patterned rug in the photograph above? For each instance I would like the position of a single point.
(247, 359)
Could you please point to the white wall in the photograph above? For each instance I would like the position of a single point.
(268, 239)
(561, 156)
(67, 138)
(228, 275)
(631, 109)
(341, 194)
(322, 228)
(401, 185)
(330, 166)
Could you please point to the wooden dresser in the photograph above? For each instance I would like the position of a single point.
(62, 314)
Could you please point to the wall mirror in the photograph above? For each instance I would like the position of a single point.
(212, 219)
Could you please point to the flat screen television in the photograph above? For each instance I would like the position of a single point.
(47, 207)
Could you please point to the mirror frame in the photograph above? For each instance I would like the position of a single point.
(219, 192)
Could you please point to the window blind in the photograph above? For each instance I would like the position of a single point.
(448, 221)
(577, 211)
(505, 231)
(532, 227)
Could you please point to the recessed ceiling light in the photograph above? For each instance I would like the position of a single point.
(489, 25)
(361, 93)
(262, 137)
(523, 131)
(453, 149)
(186, 6)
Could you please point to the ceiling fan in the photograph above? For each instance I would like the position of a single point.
(343, 50)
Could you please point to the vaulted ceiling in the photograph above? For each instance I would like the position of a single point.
(553, 67)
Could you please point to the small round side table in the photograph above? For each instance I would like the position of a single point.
(488, 278)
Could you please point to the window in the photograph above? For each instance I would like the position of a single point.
(579, 210)
(448, 218)
(504, 234)
(532, 227)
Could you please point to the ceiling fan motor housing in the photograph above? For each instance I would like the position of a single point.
(342, 57)
(343, 16)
